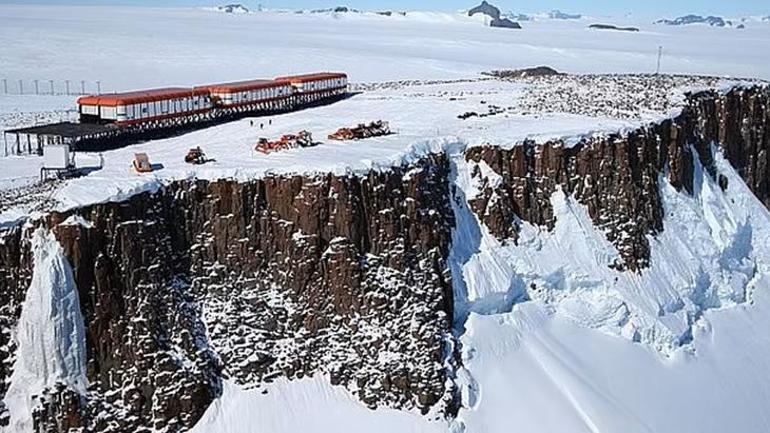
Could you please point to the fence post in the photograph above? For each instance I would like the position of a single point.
(21, 87)
(51, 83)
(98, 87)
(37, 90)
(5, 86)
(82, 87)
(67, 86)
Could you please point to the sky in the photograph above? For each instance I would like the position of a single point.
(616, 7)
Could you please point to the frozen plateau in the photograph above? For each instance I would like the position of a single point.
(577, 252)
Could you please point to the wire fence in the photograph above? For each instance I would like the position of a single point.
(19, 86)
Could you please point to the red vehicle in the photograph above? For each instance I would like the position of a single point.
(288, 141)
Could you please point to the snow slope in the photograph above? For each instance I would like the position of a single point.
(57, 42)
(309, 405)
(566, 359)
(50, 335)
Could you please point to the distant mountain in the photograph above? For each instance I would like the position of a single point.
(493, 12)
(520, 17)
(559, 15)
(233, 9)
(349, 10)
(696, 19)
(337, 10)
(486, 9)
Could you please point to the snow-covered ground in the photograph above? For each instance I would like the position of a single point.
(307, 405)
(423, 117)
(565, 361)
(597, 351)
(128, 47)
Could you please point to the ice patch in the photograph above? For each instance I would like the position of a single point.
(50, 335)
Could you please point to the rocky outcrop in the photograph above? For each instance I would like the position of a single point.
(739, 122)
(613, 27)
(497, 20)
(504, 23)
(713, 21)
(288, 276)
(616, 177)
(485, 9)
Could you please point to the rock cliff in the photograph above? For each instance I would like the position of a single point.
(343, 276)
(281, 277)
(616, 176)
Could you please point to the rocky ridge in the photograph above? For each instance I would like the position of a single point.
(616, 176)
(281, 277)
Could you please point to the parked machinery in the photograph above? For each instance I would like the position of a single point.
(141, 163)
(196, 156)
(288, 141)
(377, 128)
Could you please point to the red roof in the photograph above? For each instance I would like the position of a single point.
(243, 86)
(139, 96)
(313, 77)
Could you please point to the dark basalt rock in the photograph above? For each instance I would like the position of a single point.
(537, 71)
(504, 23)
(696, 19)
(486, 9)
(616, 177)
(284, 276)
(613, 27)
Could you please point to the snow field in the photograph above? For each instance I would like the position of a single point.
(563, 361)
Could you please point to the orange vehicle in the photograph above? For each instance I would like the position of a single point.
(142, 163)
(288, 141)
(374, 129)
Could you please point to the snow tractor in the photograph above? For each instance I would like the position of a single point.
(196, 156)
(288, 141)
(362, 131)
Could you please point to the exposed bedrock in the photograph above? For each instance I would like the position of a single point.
(616, 176)
(281, 277)
(341, 275)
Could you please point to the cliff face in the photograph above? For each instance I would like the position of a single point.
(616, 177)
(15, 277)
(344, 276)
(281, 277)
